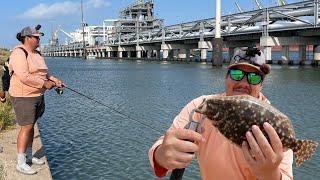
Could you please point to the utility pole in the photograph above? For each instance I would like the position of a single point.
(217, 42)
(84, 55)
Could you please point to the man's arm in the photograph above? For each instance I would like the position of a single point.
(175, 143)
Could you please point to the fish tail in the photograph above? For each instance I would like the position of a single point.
(303, 150)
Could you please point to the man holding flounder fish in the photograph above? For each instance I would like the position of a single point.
(244, 137)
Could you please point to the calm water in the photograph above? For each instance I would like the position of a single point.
(83, 140)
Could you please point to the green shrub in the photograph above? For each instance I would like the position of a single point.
(2, 173)
(4, 55)
(6, 115)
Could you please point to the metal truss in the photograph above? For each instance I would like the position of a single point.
(291, 16)
(300, 15)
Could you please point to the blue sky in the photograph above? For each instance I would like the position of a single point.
(16, 14)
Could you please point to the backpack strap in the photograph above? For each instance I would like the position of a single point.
(25, 51)
(38, 52)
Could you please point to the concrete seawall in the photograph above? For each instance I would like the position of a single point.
(8, 158)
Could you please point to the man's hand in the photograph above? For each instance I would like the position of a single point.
(178, 148)
(263, 157)
(49, 84)
(59, 83)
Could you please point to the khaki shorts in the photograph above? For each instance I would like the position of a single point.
(28, 109)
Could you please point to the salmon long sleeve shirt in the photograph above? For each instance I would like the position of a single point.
(29, 73)
(218, 158)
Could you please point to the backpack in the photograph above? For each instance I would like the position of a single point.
(6, 73)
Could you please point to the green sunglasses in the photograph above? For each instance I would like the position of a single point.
(252, 77)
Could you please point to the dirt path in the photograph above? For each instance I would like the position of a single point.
(8, 143)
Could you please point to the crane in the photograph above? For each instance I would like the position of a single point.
(64, 32)
(54, 36)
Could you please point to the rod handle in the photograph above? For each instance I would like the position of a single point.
(177, 174)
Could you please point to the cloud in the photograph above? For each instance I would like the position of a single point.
(98, 3)
(47, 11)
(44, 11)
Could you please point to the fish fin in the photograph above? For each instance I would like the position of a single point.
(304, 150)
(200, 108)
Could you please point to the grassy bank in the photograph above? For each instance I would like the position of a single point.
(4, 54)
(6, 112)
(2, 173)
(6, 115)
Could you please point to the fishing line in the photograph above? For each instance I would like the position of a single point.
(59, 91)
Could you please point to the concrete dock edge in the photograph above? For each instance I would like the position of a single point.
(8, 158)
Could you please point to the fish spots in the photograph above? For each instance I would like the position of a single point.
(254, 116)
(234, 116)
(216, 115)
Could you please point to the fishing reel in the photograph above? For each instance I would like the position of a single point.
(59, 90)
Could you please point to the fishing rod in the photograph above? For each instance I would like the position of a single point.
(193, 125)
(60, 92)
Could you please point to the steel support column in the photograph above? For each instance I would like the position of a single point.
(217, 43)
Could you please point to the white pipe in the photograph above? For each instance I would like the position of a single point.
(238, 7)
(218, 19)
(104, 32)
(258, 4)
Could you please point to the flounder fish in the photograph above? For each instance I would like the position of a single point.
(235, 115)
